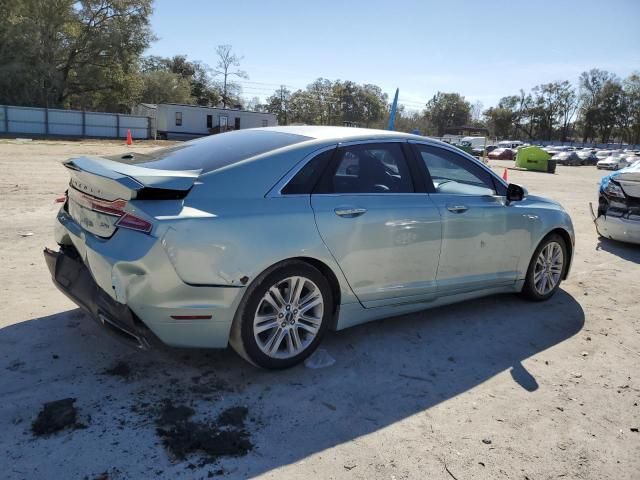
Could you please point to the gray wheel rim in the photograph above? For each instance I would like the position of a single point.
(288, 317)
(548, 268)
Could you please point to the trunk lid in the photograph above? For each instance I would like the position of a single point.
(100, 191)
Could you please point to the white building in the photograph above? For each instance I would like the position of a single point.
(174, 121)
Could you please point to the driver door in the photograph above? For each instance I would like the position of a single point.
(481, 235)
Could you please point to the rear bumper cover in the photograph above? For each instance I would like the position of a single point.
(73, 279)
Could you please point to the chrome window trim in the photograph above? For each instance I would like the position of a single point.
(462, 154)
(370, 194)
(351, 143)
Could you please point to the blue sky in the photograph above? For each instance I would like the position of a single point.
(481, 49)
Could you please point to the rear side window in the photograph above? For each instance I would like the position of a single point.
(304, 181)
(371, 168)
(213, 152)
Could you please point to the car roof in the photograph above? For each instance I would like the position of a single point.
(341, 133)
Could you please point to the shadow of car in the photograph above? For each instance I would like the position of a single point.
(385, 372)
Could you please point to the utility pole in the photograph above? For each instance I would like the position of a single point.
(282, 104)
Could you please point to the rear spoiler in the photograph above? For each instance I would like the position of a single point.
(105, 178)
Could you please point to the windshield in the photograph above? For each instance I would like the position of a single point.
(213, 152)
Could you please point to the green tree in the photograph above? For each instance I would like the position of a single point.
(68, 53)
(161, 86)
(591, 84)
(279, 104)
(446, 110)
(203, 90)
(632, 94)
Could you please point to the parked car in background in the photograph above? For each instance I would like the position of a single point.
(631, 159)
(587, 157)
(567, 158)
(511, 144)
(615, 161)
(480, 150)
(502, 154)
(602, 154)
(266, 238)
(473, 142)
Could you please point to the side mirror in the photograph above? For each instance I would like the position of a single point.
(515, 193)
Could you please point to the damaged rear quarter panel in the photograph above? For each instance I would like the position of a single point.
(233, 247)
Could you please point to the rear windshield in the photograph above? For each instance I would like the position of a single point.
(212, 152)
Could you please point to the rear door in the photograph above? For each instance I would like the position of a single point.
(379, 223)
(481, 234)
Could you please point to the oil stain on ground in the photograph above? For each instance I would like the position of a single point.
(182, 436)
(56, 416)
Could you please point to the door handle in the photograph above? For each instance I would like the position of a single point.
(457, 208)
(349, 212)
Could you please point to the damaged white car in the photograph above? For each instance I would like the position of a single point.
(618, 215)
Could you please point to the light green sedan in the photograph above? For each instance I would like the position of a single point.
(265, 238)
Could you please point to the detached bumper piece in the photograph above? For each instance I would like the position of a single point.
(619, 228)
(72, 277)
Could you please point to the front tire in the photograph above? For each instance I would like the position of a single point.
(546, 268)
(283, 316)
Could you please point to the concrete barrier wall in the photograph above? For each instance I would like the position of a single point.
(71, 123)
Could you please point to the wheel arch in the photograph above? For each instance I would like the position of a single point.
(322, 267)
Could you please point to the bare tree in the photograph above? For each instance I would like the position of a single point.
(227, 60)
(476, 111)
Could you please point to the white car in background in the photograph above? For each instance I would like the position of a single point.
(615, 161)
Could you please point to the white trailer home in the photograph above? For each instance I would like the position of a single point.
(173, 121)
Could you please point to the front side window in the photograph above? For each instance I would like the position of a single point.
(454, 174)
(178, 119)
(371, 168)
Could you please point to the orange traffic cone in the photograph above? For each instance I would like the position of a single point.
(129, 141)
(505, 177)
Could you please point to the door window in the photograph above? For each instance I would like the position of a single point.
(454, 174)
(370, 168)
(304, 181)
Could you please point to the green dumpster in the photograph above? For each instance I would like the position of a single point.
(533, 158)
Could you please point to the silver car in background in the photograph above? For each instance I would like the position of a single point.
(265, 238)
(614, 161)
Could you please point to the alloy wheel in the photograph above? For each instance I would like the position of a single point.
(288, 317)
(548, 268)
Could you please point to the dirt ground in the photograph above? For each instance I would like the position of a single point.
(494, 388)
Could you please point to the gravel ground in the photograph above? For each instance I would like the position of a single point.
(494, 388)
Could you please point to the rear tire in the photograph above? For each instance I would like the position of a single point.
(546, 269)
(274, 326)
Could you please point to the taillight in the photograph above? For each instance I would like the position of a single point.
(134, 223)
(61, 199)
(115, 208)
